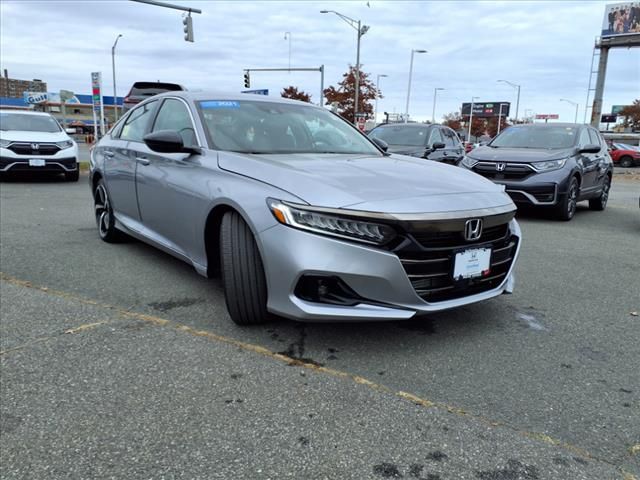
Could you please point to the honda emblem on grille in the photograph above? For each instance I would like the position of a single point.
(35, 146)
(473, 229)
(500, 166)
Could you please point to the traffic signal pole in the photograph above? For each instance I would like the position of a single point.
(247, 82)
(187, 21)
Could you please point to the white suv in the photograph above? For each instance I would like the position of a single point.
(34, 141)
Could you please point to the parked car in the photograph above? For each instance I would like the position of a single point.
(624, 155)
(433, 142)
(306, 217)
(142, 90)
(553, 166)
(35, 142)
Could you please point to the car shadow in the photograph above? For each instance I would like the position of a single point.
(32, 177)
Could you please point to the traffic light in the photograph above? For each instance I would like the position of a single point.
(187, 21)
(247, 79)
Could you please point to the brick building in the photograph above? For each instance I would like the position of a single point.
(14, 88)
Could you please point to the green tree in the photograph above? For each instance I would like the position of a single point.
(295, 94)
(343, 95)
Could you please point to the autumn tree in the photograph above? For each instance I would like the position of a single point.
(344, 94)
(295, 94)
(478, 127)
(453, 121)
(492, 126)
(631, 114)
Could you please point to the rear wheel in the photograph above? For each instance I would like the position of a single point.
(104, 215)
(600, 203)
(245, 285)
(626, 161)
(566, 209)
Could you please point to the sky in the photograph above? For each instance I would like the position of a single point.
(546, 47)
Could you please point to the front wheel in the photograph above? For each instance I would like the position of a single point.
(600, 203)
(245, 285)
(105, 220)
(566, 209)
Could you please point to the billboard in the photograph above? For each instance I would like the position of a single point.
(616, 109)
(486, 109)
(621, 19)
(547, 116)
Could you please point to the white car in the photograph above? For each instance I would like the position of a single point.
(35, 142)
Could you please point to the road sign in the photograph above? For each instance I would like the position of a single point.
(616, 109)
(98, 107)
(486, 109)
(361, 122)
(547, 116)
(609, 118)
(264, 91)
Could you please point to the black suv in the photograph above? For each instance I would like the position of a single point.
(548, 165)
(433, 142)
(142, 90)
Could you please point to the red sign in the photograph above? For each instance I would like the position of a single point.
(547, 116)
(361, 123)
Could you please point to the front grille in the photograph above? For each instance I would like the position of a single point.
(53, 165)
(27, 149)
(512, 171)
(430, 268)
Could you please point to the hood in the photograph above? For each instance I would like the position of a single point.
(411, 150)
(44, 137)
(393, 184)
(517, 155)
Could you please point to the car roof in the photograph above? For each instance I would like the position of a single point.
(230, 96)
(26, 112)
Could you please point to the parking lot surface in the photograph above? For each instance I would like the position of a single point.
(119, 361)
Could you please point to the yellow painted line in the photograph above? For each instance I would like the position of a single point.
(628, 476)
(635, 450)
(86, 326)
(249, 347)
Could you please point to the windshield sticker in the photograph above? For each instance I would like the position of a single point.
(220, 104)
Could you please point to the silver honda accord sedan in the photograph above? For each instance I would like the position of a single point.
(303, 216)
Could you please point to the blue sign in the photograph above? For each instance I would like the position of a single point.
(220, 104)
(257, 92)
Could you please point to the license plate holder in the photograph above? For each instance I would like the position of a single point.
(37, 162)
(471, 263)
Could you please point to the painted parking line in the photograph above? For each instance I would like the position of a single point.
(258, 349)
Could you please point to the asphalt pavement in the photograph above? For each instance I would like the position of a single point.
(118, 361)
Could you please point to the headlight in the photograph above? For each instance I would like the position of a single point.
(65, 144)
(469, 162)
(550, 165)
(5, 143)
(333, 225)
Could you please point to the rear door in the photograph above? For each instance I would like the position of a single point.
(601, 157)
(120, 166)
(167, 183)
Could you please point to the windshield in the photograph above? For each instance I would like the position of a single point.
(536, 136)
(264, 127)
(28, 123)
(402, 135)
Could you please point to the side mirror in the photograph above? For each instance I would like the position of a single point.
(381, 144)
(590, 149)
(167, 141)
(437, 146)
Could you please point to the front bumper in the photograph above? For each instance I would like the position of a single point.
(51, 165)
(376, 275)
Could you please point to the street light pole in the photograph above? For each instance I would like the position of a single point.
(375, 108)
(406, 110)
(433, 114)
(113, 68)
(517, 87)
(287, 35)
(575, 104)
(471, 118)
(361, 29)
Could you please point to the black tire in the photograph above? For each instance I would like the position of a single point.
(245, 285)
(600, 203)
(626, 161)
(105, 220)
(566, 209)
(72, 176)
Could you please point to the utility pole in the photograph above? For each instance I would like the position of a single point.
(113, 69)
(471, 117)
(433, 113)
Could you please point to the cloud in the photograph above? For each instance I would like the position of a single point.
(544, 46)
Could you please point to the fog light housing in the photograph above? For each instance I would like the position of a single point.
(326, 289)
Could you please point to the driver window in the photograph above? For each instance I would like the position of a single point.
(173, 115)
(436, 137)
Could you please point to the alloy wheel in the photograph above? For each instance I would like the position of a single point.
(573, 197)
(102, 210)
